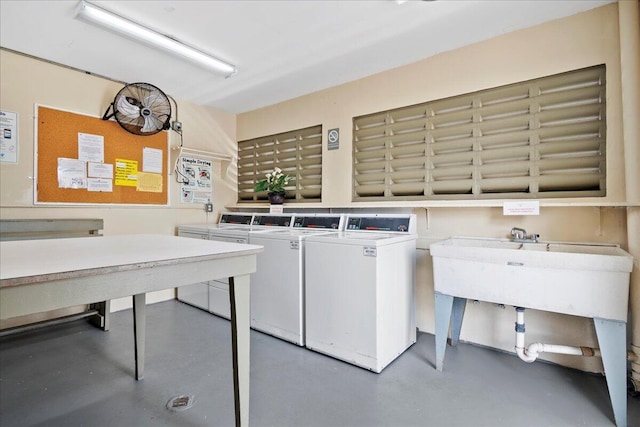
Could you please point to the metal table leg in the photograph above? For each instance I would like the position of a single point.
(139, 308)
(240, 323)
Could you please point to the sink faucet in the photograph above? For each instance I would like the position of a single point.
(520, 235)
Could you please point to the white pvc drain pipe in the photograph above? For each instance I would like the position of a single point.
(530, 353)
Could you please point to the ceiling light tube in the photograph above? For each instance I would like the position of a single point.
(94, 14)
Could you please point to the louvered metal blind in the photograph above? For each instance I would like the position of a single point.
(298, 153)
(543, 138)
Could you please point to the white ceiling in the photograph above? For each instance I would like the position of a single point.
(282, 49)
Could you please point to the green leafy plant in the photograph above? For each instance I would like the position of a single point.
(275, 181)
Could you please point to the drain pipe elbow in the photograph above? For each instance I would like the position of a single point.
(529, 354)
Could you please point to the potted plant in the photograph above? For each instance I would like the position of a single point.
(274, 184)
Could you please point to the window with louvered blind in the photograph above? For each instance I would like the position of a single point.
(298, 153)
(543, 138)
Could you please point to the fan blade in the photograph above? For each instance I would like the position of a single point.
(127, 109)
(151, 124)
(153, 97)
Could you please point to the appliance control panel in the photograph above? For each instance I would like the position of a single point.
(389, 224)
(235, 218)
(332, 222)
(273, 220)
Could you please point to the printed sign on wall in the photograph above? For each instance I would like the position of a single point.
(196, 180)
(8, 137)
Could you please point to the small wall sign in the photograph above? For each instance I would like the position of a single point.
(333, 139)
(521, 208)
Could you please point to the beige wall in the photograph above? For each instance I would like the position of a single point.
(580, 41)
(551, 48)
(26, 81)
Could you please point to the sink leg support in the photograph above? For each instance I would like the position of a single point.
(612, 339)
(459, 304)
(449, 310)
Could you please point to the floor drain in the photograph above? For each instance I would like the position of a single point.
(180, 403)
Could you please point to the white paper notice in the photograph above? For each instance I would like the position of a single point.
(99, 184)
(151, 160)
(90, 147)
(276, 209)
(191, 196)
(100, 170)
(8, 137)
(71, 173)
(521, 208)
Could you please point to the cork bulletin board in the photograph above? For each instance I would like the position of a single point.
(58, 142)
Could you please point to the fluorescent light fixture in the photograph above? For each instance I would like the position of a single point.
(94, 14)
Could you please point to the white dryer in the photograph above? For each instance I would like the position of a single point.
(360, 286)
(277, 287)
(235, 227)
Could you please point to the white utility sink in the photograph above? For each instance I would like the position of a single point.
(582, 279)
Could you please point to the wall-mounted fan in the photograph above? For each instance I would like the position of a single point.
(141, 109)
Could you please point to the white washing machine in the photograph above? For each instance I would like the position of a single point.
(235, 227)
(360, 286)
(232, 227)
(277, 287)
(198, 293)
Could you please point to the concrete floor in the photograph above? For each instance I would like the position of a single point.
(77, 375)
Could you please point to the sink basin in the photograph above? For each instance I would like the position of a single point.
(582, 279)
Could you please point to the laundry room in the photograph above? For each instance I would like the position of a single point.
(333, 306)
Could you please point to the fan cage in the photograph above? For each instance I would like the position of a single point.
(142, 109)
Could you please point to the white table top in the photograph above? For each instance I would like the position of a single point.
(33, 261)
